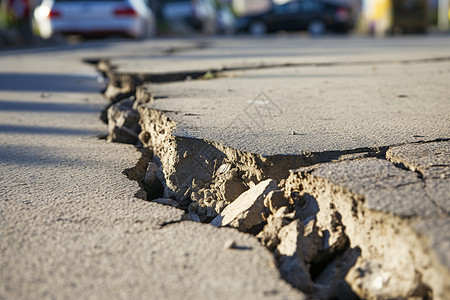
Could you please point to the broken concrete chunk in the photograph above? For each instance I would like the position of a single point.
(119, 86)
(269, 235)
(247, 210)
(224, 168)
(300, 241)
(290, 236)
(369, 277)
(114, 93)
(123, 123)
(225, 187)
(142, 97)
(275, 200)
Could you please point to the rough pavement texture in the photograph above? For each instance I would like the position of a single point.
(312, 109)
(382, 120)
(226, 54)
(432, 162)
(73, 225)
(386, 212)
(385, 187)
(70, 226)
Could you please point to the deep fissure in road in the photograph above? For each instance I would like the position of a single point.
(326, 240)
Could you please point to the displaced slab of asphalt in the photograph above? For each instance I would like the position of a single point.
(297, 110)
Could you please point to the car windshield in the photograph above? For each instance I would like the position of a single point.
(287, 8)
(298, 6)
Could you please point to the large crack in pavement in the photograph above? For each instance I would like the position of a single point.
(335, 220)
(122, 85)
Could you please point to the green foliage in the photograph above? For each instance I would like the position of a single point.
(208, 75)
(6, 19)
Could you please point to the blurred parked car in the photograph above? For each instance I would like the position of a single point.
(132, 18)
(316, 16)
(182, 15)
(226, 21)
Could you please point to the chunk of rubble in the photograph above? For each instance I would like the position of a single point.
(290, 252)
(123, 123)
(368, 278)
(225, 187)
(247, 211)
(269, 235)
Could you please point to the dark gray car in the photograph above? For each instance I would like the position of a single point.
(316, 16)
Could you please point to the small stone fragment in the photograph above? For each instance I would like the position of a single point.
(224, 168)
(229, 244)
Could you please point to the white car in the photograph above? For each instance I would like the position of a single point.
(132, 18)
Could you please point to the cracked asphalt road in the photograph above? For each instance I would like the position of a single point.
(70, 226)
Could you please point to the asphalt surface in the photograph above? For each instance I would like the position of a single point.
(313, 109)
(70, 224)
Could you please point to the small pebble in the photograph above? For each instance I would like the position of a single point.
(224, 168)
(230, 244)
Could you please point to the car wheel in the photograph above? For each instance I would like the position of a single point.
(257, 28)
(316, 27)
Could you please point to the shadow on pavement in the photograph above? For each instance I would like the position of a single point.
(28, 106)
(45, 130)
(41, 156)
(26, 82)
